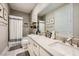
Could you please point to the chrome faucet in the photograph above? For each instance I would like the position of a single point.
(70, 39)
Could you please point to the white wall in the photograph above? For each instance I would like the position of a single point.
(76, 19)
(63, 19)
(3, 32)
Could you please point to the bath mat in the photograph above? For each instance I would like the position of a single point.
(14, 40)
(15, 47)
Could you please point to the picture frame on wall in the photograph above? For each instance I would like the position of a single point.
(5, 14)
(51, 20)
(1, 10)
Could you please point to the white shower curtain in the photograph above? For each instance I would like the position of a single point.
(16, 26)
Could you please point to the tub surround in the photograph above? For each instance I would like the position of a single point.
(54, 47)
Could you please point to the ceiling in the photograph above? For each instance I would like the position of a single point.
(24, 7)
(50, 7)
(28, 7)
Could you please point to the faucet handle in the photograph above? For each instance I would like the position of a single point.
(69, 39)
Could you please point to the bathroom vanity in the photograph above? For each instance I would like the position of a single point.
(43, 46)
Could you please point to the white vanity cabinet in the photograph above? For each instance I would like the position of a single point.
(39, 51)
(35, 49)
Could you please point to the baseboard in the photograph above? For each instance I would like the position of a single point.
(4, 51)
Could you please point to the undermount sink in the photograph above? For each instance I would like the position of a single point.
(54, 41)
(64, 49)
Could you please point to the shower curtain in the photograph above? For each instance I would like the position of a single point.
(16, 27)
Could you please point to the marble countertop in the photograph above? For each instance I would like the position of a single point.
(54, 47)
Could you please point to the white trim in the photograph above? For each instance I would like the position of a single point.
(4, 51)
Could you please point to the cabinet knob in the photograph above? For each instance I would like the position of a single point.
(35, 45)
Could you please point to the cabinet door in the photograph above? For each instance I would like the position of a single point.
(36, 49)
(30, 47)
(43, 52)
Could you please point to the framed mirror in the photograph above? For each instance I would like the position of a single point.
(1, 10)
